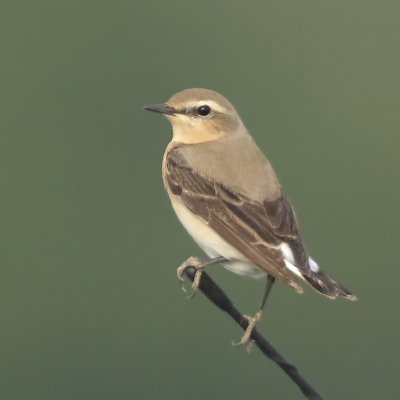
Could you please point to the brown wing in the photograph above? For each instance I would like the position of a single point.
(256, 230)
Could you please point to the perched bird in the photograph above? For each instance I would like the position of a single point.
(227, 196)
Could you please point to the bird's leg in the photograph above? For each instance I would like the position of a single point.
(246, 338)
(199, 265)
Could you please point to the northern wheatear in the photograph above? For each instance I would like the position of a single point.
(227, 196)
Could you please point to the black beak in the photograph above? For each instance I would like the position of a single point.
(161, 108)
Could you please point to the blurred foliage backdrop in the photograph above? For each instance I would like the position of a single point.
(89, 300)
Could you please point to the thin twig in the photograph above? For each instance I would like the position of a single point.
(216, 295)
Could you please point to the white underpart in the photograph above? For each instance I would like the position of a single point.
(212, 244)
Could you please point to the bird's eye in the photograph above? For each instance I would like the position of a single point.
(203, 110)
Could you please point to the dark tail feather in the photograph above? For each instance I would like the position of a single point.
(326, 285)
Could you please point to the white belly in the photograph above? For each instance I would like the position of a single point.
(212, 244)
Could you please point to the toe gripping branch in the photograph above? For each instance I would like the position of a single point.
(217, 296)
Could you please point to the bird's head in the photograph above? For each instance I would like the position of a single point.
(199, 115)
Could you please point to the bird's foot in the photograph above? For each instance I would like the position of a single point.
(195, 263)
(246, 340)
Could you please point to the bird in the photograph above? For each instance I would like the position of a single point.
(227, 196)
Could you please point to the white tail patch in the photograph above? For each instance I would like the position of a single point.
(293, 268)
(289, 259)
(287, 252)
(313, 265)
(290, 263)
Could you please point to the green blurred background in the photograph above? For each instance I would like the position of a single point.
(89, 300)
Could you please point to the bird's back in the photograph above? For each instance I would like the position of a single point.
(236, 161)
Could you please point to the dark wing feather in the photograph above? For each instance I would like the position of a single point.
(255, 229)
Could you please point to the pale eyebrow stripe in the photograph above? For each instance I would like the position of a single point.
(214, 106)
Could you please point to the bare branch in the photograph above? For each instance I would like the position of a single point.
(216, 295)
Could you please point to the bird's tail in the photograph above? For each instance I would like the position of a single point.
(328, 286)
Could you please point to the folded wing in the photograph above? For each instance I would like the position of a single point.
(257, 230)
